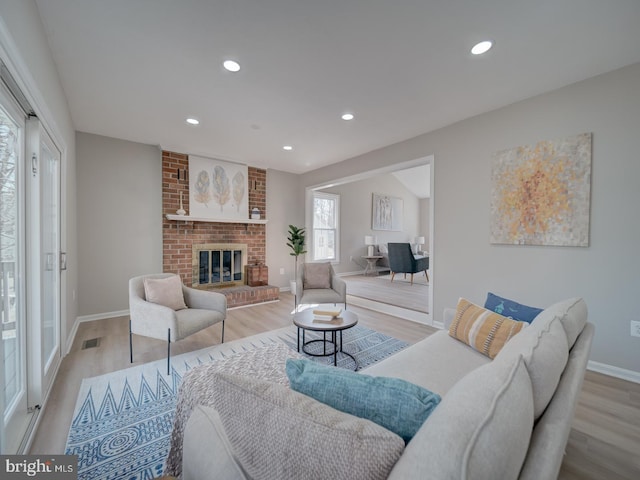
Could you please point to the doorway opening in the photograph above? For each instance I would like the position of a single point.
(370, 285)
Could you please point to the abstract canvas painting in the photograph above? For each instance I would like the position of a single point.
(386, 213)
(540, 194)
(217, 189)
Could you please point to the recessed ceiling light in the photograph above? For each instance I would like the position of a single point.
(287, 148)
(231, 65)
(347, 116)
(193, 121)
(482, 47)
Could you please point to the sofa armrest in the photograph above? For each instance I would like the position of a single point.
(551, 432)
(447, 317)
(339, 285)
(205, 299)
(151, 319)
(207, 452)
(277, 430)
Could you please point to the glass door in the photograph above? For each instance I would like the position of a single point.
(30, 264)
(13, 373)
(50, 258)
(44, 265)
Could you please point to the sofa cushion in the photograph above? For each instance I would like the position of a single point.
(481, 329)
(480, 430)
(277, 433)
(444, 361)
(165, 291)
(317, 275)
(510, 308)
(544, 348)
(393, 403)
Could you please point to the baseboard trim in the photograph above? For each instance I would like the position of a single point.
(349, 274)
(90, 318)
(612, 371)
(103, 316)
(253, 304)
(393, 310)
(72, 336)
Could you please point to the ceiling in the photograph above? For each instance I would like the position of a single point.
(136, 69)
(416, 179)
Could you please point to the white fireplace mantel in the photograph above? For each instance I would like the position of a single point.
(188, 218)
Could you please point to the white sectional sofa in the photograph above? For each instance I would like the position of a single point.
(505, 418)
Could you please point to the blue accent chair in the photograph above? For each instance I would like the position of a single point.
(402, 260)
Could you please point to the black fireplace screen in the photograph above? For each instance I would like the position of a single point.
(217, 267)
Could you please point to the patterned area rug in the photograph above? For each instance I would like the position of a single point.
(122, 422)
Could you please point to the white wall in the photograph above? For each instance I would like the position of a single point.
(119, 219)
(355, 218)
(284, 208)
(605, 274)
(25, 51)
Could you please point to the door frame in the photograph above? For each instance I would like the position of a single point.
(55, 122)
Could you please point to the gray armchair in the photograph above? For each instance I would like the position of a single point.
(318, 283)
(402, 260)
(204, 308)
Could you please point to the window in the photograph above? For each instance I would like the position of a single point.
(326, 235)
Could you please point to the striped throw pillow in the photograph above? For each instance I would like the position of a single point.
(482, 329)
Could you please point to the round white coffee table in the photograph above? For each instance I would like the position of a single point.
(307, 320)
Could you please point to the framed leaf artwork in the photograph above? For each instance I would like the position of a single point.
(218, 189)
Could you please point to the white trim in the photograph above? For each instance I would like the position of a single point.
(188, 218)
(102, 316)
(89, 318)
(348, 274)
(12, 58)
(31, 434)
(432, 213)
(335, 198)
(252, 305)
(71, 337)
(395, 311)
(612, 371)
(373, 172)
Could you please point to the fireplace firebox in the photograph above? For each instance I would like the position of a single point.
(219, 264)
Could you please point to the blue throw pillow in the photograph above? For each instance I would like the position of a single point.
(509, 308)
(392, 403)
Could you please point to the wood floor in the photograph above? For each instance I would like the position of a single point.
(400, 292)
(604, 442)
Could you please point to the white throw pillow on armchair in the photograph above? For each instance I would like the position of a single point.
(165, 291)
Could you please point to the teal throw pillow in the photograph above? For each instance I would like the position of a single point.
(392, 403)
(510, 309)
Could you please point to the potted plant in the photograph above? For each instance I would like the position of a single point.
(296, 244)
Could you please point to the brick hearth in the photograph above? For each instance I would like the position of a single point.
(179, 236)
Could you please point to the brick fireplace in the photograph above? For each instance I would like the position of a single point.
(179, 237)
